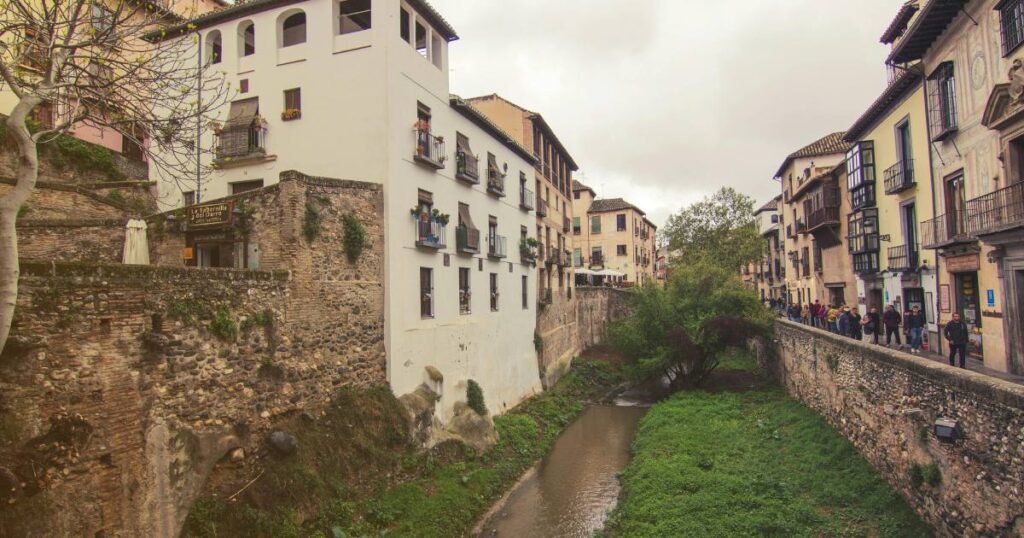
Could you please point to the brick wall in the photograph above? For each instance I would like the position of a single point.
(886, 403)
(118, 394)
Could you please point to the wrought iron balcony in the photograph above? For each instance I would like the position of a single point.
(899, 177)
(496, 183)
(801, 227)
(596, 259)
(903, 258)
(552, 255)
(945, 230)
(996, 211)
(542, 208)
(467, 167)
(430, 234)
(429, 149)
(566, 225)
(467, 240)
(497, 247)
(525, 198)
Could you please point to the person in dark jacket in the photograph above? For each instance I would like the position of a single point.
(855, 325)
(891, 320)
(956, 334)
(914, 324)
(872, 323)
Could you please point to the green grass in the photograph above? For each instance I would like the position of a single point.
(752, 464)
(376, 483)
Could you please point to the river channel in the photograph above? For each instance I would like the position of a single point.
(576, 485)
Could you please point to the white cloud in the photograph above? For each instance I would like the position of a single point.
(664, 101)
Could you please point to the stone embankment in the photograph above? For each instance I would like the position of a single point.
(887, 402)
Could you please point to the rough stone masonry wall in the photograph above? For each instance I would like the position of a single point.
(886, 403)
(121, 389)
(596, 309)
(559, 333)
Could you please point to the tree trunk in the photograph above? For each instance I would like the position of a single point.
(10, 204)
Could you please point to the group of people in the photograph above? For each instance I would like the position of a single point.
(848, 322)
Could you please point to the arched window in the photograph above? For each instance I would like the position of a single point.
(213, 47)
(293, 30)
(248, 39)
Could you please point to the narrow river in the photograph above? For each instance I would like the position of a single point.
(576, 485)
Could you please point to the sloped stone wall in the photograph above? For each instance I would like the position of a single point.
(886, 403)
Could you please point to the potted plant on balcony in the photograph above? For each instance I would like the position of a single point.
(289, 114)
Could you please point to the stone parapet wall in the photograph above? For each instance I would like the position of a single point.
(886, 403)
(559, 333)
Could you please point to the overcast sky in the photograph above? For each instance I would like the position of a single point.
(664, 101)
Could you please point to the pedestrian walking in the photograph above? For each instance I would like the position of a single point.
(956, 335)
(805, 315)
(823, 316)
(891, 320)
(872, 324)
(914, 324)
(816, 314)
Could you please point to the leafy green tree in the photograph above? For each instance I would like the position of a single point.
(719, 229)
(682, 331)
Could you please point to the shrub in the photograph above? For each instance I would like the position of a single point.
(924, 474)
(187, 311)
(355, 238)
(538, 342)
(223, 324)
(115, 196)
(311, 225)
(475, 398)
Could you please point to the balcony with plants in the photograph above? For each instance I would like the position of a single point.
(528, 250)
(430, 149)
(430, 229)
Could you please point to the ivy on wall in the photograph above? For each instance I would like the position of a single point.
(355, 238)
(69, 153)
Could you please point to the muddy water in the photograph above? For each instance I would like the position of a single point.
(575, 486)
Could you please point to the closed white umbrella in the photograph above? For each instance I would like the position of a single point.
(136, 244)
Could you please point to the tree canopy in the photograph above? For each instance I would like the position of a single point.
(720, 229)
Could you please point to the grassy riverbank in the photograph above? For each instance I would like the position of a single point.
(751, 461)
(396, 490)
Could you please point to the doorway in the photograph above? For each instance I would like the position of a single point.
(968, 304)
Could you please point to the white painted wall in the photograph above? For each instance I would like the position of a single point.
(359, 103)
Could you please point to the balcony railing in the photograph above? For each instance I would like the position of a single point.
(996, 211)
(566, 225)
(944, 230)
(903, 258)
(551, 256)
(238, 142)
(899, 177)
(525, 198)
(496, 183)
(467, 240)
(497, 247)
(801, 227)
(430, 234)
(527, 254)
(429, 149)
(822, 216)
(542, 208)
(467, 167)
(597, 259)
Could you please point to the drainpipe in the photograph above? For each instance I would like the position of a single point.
(199, 117)
(931, 182)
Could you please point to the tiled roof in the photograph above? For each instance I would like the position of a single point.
(243, 8)
(905, 83)
(827, 145)
(577, 186)
(930, 24)
(899, 22)
(772, 205)
(539, 119)
(612, 204)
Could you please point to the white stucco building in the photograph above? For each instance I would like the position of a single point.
(359, 89)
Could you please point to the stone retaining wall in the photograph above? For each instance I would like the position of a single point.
(597, 308)
(886, 403)
(123, 386)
